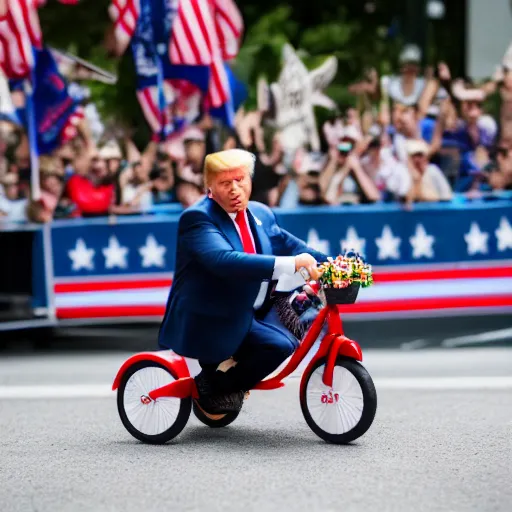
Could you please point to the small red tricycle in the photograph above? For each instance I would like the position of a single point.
(156, 393)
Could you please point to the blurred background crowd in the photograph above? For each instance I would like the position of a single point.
(418, 133)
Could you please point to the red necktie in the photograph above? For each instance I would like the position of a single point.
(245, 234)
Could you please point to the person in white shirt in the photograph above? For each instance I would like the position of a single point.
(389, 175)
(12, 208)
(428, 181)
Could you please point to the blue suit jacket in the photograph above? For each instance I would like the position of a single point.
(210, 307)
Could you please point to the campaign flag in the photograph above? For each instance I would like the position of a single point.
(56, 111)
(156, 75)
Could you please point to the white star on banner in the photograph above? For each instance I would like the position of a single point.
(422, 243)
(115, 254)
(353, 242)
(504, 235)
(389, 245)
(152, 253)
(315, 243)
(476, 240)
(81, 256)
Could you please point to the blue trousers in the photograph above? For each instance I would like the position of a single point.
(267, 344)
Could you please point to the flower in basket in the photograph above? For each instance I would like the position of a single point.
(345, 269)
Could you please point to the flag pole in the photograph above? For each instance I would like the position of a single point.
(35, 186)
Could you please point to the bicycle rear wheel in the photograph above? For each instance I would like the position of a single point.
(150, 421)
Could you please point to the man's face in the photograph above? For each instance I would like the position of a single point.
(113, 165)
(195, 151)
(140, 173)
(471, 110)
(342, 157)
(410, 69)
(504, 159)
(397, 114)
(99, 167)
(53, 185)
(12, 191)
(231, 189)
(420, 161)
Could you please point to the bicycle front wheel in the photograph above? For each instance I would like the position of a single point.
(344, 412)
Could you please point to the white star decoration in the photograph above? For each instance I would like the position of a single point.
(152, 254)
(315, 243)
(422, 243)
(115, 254)
(295, 94)
(81, 256)
(476, 240)
(389, 245)
(353, 242)
(504, 235)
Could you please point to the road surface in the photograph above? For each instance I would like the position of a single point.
(441, 441)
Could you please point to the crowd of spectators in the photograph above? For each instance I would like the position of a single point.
(422, 137)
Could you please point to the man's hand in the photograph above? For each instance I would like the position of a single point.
(309, 263)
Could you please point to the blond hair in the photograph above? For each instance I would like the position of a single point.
(227, 160)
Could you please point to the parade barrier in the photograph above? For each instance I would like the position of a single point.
(438, 259)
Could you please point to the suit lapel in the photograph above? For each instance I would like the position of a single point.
(226, 225)
(263, 245)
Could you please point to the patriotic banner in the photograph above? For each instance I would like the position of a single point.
(443, 259)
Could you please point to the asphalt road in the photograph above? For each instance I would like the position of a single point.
(441, 441)
(408, 334)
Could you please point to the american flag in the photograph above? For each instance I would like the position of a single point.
(204, 33)
(19, 33)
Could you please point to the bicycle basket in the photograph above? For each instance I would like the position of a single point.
(346, 295)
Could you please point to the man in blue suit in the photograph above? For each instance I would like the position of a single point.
(228, 252)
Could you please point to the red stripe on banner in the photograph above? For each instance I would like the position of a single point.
(103, 286)
(430, 303)
(110, 311)
(376, 307)
(430, 275)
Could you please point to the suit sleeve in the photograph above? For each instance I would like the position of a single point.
(286, 244)
(206, 245)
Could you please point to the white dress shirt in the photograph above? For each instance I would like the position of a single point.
(284, 265)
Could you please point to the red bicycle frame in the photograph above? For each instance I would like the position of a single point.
(333, 343)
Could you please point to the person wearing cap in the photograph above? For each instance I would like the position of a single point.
(343, 181)
(228, 252)
(408, 87)
(111, 153)
(189, 185)
(428, 181)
